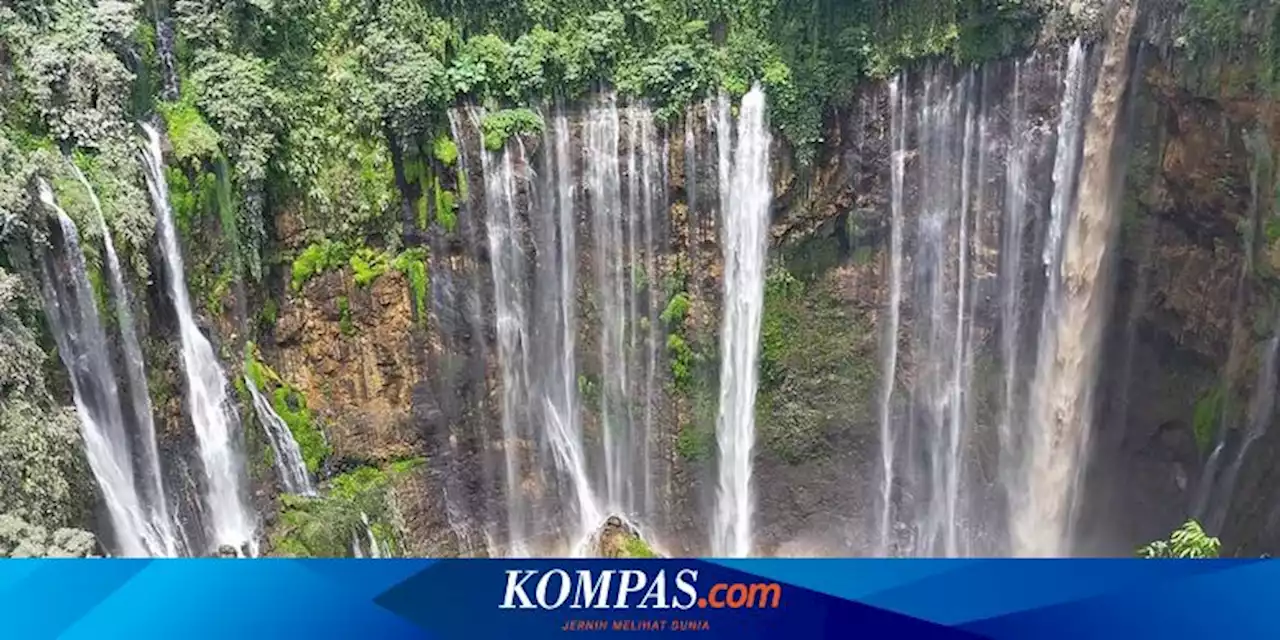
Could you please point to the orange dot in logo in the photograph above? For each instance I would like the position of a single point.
(702, 603)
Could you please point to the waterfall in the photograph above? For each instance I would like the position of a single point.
(1262, 408)
(230, 520)
(745, 212)
(971, 154)
(82, 346)
(165, 45)
(375, 550)
(560, 392)
(1014, 223)
(148, 475)
(507, 266)
(604, 191)
(648, 182)
(289, 461)
(1064, 384)
(888, 436)
(472, 337)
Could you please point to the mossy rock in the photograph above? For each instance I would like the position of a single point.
(617, 539)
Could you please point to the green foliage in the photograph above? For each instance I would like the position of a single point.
(1207, 414)
(818, 367)
(695, 443)
(290, 404)
(192, 138)
(778, 323)
(500, 126)
(318, 258)
(368, 265)
(589, 390)
(345, 325)
(677, 310)
(400, 467)
(43, 471)
(292, 407)
(682, 361)
(413, 264)
(324, 526)
(269, 313)
(1189, 541)
(446, 208)
(635, 547)
(445, 151)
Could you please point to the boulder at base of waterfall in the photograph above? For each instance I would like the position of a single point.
(227, 551)
(616, 538)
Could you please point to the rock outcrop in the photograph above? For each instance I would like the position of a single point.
(351, 351)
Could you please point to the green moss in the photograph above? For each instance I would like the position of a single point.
(445, 151)
(400, 467)
(269, 313)
(589, 390)
(500, 126)
(413, 264)
(677, 310)
(462, 184)
(695, 443)
(778, 323)
(189, 198)
(318, 258)
(818, 368)
(344, 317)
(634, 547)
(192, 138)
(291, 406)
(446, 208)
(1206, 416)
(361, 482)
(218, 291)
(682, 361)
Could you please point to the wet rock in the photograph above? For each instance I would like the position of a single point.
(617, 538)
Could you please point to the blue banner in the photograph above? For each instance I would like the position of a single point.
(739, 599)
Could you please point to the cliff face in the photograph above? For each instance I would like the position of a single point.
(388, 386)
(353, 352)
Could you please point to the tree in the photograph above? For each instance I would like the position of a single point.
(1188, 541)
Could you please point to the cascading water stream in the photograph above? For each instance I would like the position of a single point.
(507, 268)
(958, 231)
(604, 195)
(289, 461)
(1262, 408)
(561, 394)
(889, 366)
(228, 518)
(148, 476)
(745, 212)
(82, 346)
(1064, 385)
(375, 549)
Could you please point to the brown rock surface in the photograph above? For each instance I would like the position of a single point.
(357, 381)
